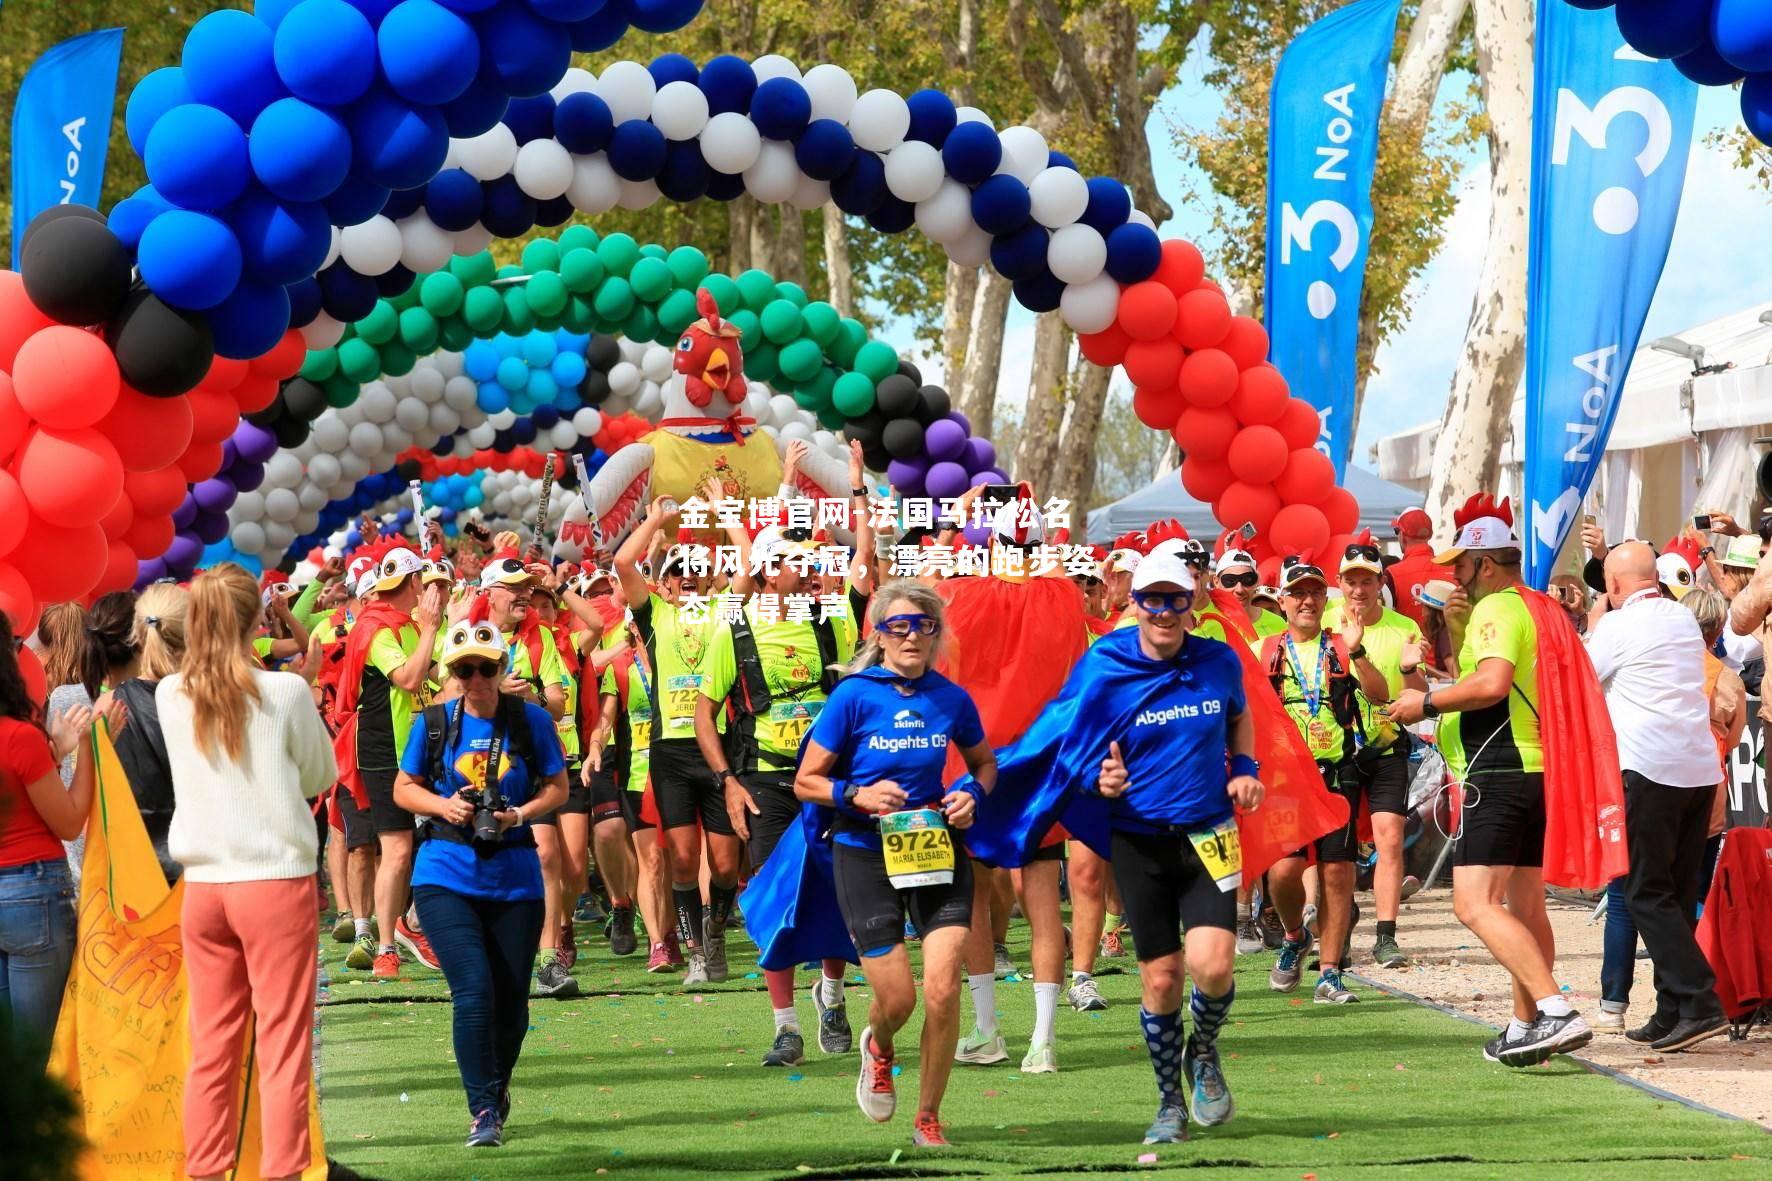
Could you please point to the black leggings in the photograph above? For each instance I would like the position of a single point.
(487, 951)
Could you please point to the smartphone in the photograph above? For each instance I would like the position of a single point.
(1590, 519)
(1000, 494)
(1248, 530)
(1701, 522)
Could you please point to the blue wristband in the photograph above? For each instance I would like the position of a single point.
(973, 788)
(1242, 765)
(839, 787)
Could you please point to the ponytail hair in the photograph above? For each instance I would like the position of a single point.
(219, 661)
(109, 641)
(160, 629)
(880, 608)
(63, 633)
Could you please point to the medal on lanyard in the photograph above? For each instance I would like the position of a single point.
(1313, 693)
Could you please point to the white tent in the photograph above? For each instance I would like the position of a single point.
(1164, 498)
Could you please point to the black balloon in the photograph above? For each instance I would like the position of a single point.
(896, 396)
(269, 416)
(595, 387)
(934, 404)
(911, 371)
(161, 350)
(56, 213)
(75, 269)
(875, 456)
(603, 353)
(407, 469)
(291, 431)
(903, 437)
(303, 400)
(866, 429)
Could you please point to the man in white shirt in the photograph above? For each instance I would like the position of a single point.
(1649, 654)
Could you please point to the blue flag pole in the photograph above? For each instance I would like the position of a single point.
(61, 128)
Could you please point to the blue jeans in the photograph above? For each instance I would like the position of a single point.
(1618, 962)
(487, 951)
(36, 948)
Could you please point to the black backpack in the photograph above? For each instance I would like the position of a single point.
(141, 749)
(751, 697)
(516, 727)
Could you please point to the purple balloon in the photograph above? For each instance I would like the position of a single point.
(149, 572)
(229, 454)
(214, 495)
(184, 551)
(903, 474)
(254, 443)
(246, 476)
(977, 534)
(185, 513)
(944, 439)
(965, 423)
(211, 527)
(980, 455)
(945, 479)
(996, 476)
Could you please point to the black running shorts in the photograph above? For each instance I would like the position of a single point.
(777, 810)
(1342, 845)
(1166, 890)
(384, 813)
(875, 912)
(359, 826)
(578, 802)
(1382, 776)
(1503, 820)
(685, 790)
(605, 796)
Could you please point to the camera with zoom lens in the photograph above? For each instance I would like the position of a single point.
(485, 822)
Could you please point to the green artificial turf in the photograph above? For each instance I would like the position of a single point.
(641, 1081)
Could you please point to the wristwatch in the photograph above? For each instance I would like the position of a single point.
(1359, 653)
(1428, 708)
(858, 492)
(720, 778)
(849, 794)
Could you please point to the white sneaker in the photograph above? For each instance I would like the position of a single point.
(975, 1049)
(1609, 1021)
(874, 1092)
(1040, 1059)
(697, 975)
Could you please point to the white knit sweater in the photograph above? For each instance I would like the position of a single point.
(248, 820)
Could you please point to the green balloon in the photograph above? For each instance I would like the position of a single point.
(406, 299)
(750, 329)
(379, 326)
(483, 310)
(807, 400)
(474, 270)
(614, 299)
(653, 250)
(510, 271)
(581, 270)
(727, 297)
(580, 315)
(619, 252)
(853, 394)
(760, 363)
(689, 266)
(340, 390)
(454, 334)
(577, 238)
(397, 360)
(677, 312)
(320, 365)
(418, 331)
(823, 383)
(850, 337)
(650, 279)
(800, 360)
(543, 254)
(546, 294)
(757, 288)
(877, 359)
(359, 360)
(641, 324)
(792, 292)
(781, 321)
(822, 322)
(441, 294)
(831, 419)
(519, 316)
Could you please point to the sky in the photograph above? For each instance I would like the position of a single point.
(1712, 268)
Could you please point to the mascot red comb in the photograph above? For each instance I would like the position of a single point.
(1677, 567)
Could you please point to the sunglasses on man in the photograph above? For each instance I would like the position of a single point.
(1158, 603)
(1368, 552)
(467, 670)
(902, 626)
(1247, 578)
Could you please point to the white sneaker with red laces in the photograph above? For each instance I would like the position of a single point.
(874, 1091)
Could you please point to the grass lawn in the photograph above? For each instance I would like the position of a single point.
(640, 1081)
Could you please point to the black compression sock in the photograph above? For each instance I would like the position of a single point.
(688, 903)
(1387, 929)
(720, 900)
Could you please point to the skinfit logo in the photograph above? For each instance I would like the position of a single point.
(908, 719)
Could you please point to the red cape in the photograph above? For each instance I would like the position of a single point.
(375, 617)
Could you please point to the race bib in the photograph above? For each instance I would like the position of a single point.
(1220, 850)
(794, 718)
(641, 732)
(680, 695)
(918, 848)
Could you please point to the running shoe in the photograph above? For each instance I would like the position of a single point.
(789, 1049)
(1544, 1037)
(387, 965)
(1609, 1020)
(714, 955)
(416, 945)
(1170, 1126)
(1388, 954)
(927, 1133)
(1492, 1047)
(659, 960)
(978, 1050)
(1331, 991)
(1652, 1030)
(362, 954)
(697, 975)
(1005, 966)
(675, 947)
(621, 931)
(1689, 1032)
(1411, 886)
(589, 910)
(1111, 946)
(1248, 936)
(834, 1034)
(1273, 932)
(551, 980)
(568, 949)
(344, 928)
(1289, 966)
(1205, 1078)
(874, 1092)
(1085, 996)
(1040, 1059)
(486, 1132)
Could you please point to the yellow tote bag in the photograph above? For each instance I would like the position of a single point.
(122, 1044)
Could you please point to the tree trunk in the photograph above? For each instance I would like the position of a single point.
(1037, 455)
(790, 246)
(959, 300)
(763, 237)
(977, 395)
(740, 214)
(1467, 453)
(839, 276)
(1074, 478)
(1171, 458)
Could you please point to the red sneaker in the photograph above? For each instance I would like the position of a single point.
(660, 959)
(927, 1133)
(415, 943)
(387, 966)
(675, 948)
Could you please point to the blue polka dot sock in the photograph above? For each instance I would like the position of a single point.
(1163, 1038)
(1210, 1013)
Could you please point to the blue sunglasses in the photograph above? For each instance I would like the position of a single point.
(1177, 603)
(904, 625)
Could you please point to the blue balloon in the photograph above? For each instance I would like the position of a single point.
(281, 241)
(404, 516)
(728, 82)
(556, 211)
(672, 67)
(524, 53)
(1742, 30)
(598, 32)
(473, 498)
(542, 388)
(1060, 160)
(299, 151)
(567, 11)
(571, 342)
(568, 400)
(1020, 255)
(480, 361)
(1109, 205)
(152, 97)
(346, 295)
(453, 200)
(971, 153)
(824, 149)
(662, 16)
(539, 348)
(723, 186)
(531, 118)
(637, 150)
(1040, 293)
(781, 109)
(510, 212)
(429, 54)
(582, 124)
(1756, 106)
(397, 145)
(325, 52)
(513, 374)
(1001, 205)
(685, 175)
(508, 345)
(190, 260)
(356, 201)
(375, 10)
(403, 203)
(1706, 67)
(477, 111)
(545, 417)
(893, 215)
(229, 65)
(272, 12)
(1133, 252)
(304, 302)
(523, 431)
(521, 402)
(1658, 29)
(197, 157)
(933, 117)
(130, 216)
(251, 321)
(568, 369)
(446, 515)
(862, 186)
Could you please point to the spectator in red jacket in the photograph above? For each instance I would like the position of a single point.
(1415, 532)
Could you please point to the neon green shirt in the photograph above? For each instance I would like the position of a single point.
(1322, 734)
(789, 655)
(1384, 642)
(680, 654)
(1503, 736)
(637, 706)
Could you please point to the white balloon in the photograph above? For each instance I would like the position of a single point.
(1091, 306)
(656, 363)
(472, 240)
(248, 537)
(1076, 253)
(323, 471)
(948, 214)
(501, 504)
(972, 115)
(447, 363)
(775, 175)
(395, 438)
(1059, 196)
(781, 409)
(680, 110)
(650, 403)
(627, 87)
(377, 402)
(543, 169)
(412, 414)
(616, 405)
(730, 142)
(822, 439)
(1139, 217)
(459, 393)
(595, 188)
(354, 466)
(1024, 153)
(914, 171)
(311, 498)
(423, 247)
(329, 434)
(482, 436)
(323, 332)
(971, 248)
(305, 451)
(307, 521)
(426, 382)
(624, 377)
(587, 421)
(810, 194)
(277, 537)
(248, 506)
(464, 447)
(502, 420)
(563, 436)
(442, 420)
(365, 440)
(283, 471)
(575, 81)
(832, 92)
(879, 120)
(797, 430)
(490, 154)
(332, 250)
(638, 194)
(372, 247)
(774, 65)
(281, 505)
(756, 403)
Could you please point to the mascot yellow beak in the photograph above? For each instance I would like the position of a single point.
(718, 370)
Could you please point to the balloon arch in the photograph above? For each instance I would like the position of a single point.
(308, 160)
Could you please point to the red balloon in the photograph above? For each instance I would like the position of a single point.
(1337, 546)
(14, 510)
(213, 415)
(200, 461)
(1269, 566)
(30, 670)
(17, 601)
(119, 571)
(154, 494)
(1106, 348)
(1261, 396)
(1342, 510)
(1299, 424)
(14, 422)
(61, 562)
(1157, 408)
(1307, 478)
(1246, 341)
(225, 374)
(1299, 529)
(255, 394)
(117, 522)
(1153, 363)
(1257, 455)
(65, 377)
(285, 357)
(1204, 319)
(70, 477)
(1205, 432)
(1205, 479)
(19, 317)
(148, 433)
(1147, 310)
(1242, 502)
(1182, 266)
(1208, 378)
(1210, 285)
(149, 535)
